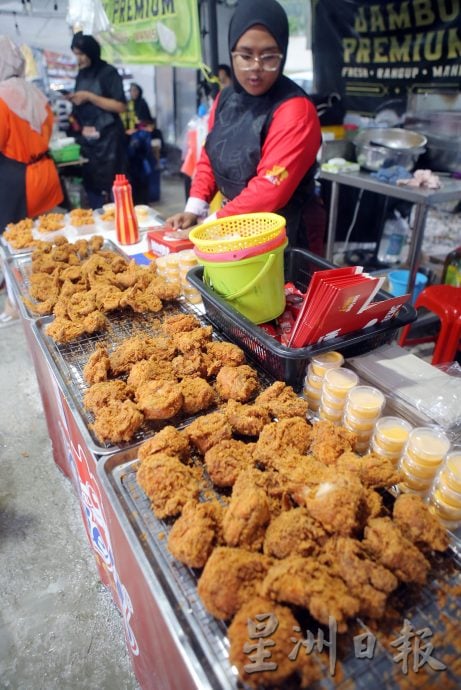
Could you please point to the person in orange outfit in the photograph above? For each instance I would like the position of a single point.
(29, 181)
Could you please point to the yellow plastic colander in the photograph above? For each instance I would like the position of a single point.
(237, 232)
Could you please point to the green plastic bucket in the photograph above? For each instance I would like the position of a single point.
(255, 287)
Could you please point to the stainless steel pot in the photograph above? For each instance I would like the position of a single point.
(376, 148)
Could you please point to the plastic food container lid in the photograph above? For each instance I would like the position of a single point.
(314, 380)
(428, 443)
(426, 471)
(326, 360)
(332, 412)
(358, 421)
(444, 509)
(311, 391)
(392, 433)
(339, 381)
(365, 401)
(452, 469)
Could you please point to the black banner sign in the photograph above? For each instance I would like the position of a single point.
(376, 52)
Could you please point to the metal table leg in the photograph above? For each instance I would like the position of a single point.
(333, 217)
(416, 243)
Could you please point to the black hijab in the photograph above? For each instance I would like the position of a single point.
(88, 46)
(271, 15)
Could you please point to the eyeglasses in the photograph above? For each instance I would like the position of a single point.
(269, 63)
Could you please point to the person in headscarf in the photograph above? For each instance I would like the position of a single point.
(29, 181)
(98, 101)
(264, 132)
(137, 109)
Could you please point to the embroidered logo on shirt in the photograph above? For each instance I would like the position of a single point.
(276, 175)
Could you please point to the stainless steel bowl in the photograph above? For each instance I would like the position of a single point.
(376, 148)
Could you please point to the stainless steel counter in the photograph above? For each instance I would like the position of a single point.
(422, 198)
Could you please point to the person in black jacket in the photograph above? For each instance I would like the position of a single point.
(98, 101)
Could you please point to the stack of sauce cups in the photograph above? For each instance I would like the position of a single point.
(318, 367)
(424, 454)
(337, 384)
(390, 437)
(445, 495)
(186, 260)
(363, 407)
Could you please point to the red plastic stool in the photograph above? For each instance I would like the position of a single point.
(445, 302)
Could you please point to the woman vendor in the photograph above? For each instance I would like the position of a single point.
(264, 133)
(98, 101)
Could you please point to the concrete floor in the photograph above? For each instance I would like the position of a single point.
(59, 629)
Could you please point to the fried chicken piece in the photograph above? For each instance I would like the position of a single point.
(195, 534)
(94, 322)
(41, 308)
(64, 330)
(100, 394)
(373, 471)
(192, 340)
(369, 582)
(270, 482)
(207, 431)
(386, 543)
(246, 420)
(280, 401)
(180, 323)
(81, 248)
(117, 421)
(140, 300)
(230, 578)
(237, 383)
(190, 363)
(130, 274)
(167, 483)
(280, 646)
(246, 517)
(220, 354)
(169, 441)
(97, 368)
(226, 460)
(276, 438)
(96, 242)
(132, 350)
(159, 399)
(306, 582)
(330, 441)
(148, 370)
(198, 395)
(80, 305)
(418, 524)
(337, 504)
(107, 297)
(165, 291)
(294, 533)
(40, 286)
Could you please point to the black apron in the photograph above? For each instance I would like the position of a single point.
(106, 153)
(234, 148)
(13, 204)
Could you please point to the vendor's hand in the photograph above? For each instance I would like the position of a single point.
(182, 220)
(80, 97)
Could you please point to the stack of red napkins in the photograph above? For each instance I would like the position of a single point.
(340, 301)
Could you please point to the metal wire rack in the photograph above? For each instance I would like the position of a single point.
(434, 607)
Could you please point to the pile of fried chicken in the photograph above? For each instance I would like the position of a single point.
(172, 375)
(80, 282)
(304, 527)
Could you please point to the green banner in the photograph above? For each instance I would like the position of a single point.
(157, 32)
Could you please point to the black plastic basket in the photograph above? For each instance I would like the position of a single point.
(287, 363)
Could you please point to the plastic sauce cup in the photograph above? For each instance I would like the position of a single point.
(311, 392)
(338, 382)
(442, 508)
(428, 445)
(391, 433)
(333, 401)
(412, 483)
(326, 360)
(453, 498)
(452, 470)
(324, 414)
(426, 472)
(365, 402)
(393, 456)
(314, 380)
(358, 424)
